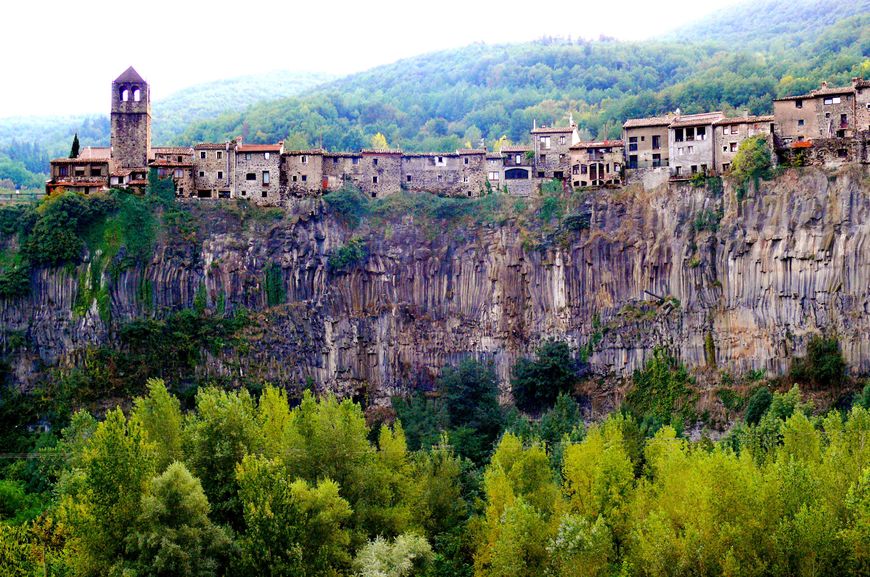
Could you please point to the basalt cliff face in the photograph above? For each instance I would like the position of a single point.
(653, 267)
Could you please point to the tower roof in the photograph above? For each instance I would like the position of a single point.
(129, 75)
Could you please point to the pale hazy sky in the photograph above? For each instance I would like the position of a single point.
(59, 57)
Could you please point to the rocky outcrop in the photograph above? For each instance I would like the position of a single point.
(739, 284)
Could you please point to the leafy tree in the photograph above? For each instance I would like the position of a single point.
(116, 466)
(580, 543)
(822, 366)
(217, 436)
(752, 160)
(661, 391)
(470, 392)
(74, 151)
(159, 416)
(406, 556)
(174, 536)
(758, 404)
(537, 383)
(292, 528)
(379, 142)
(423, 419)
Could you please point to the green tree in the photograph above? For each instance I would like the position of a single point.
(580, 543)
(292, 528)
(538, 383)
(470, 392)
(159, 416)
(379, 142)
(752, 160)
(408, 555)
(822, 366)
(217, 436)
(175, 537)
(74, 151)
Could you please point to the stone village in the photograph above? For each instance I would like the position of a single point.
(829, 126)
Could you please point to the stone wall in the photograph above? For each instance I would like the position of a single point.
(258, 176)
(381, 173)
(214, 170)
(444, 174)
(302, 173)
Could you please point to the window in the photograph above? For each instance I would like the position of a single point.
(493, 175)
(561, 140)
(304, 178)
(518, 159)
(137, 95)
(732, 146)
(265, 177)
(632, 143)
(202, 174)
(690, 149)
(408, 178)
(335, 160)
(540, 174)
(125, 95)
(178, 158)
(656, 142)
(800, 122)
(844, 121)
(220, 154)
(80, 170)
(545, 142)
(465, 180)
(832, 100)
(690, 134)
(561, 157)
(694, 168)
(220, 175)
(202, 154)
(657, 160)
(374, 180)
(294, 178)
(465, 160)
(304, 159)
(543, 158)
(179, 173)
(678, 170)
(733, 129)
(113, 180)
(704, 168)
(266, 155)
(251, 176)
(374, 161)
(680, 151)
(575, 169)
(678, 135)
(726, 166)
(701, 133)
(842, 153)
(355, 161)
(798, 103)
(264, 193)
(583, 169)
(632, 160)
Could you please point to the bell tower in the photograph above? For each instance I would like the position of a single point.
(131, 120)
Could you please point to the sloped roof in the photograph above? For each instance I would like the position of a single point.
(553, 129)
(259, 148)
(515, 148)
(697, 119)
(599, 144)
(649, 121)
(744, 120)
(130, 75)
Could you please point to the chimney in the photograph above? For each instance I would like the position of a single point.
(855, 80)
(677, 112)
(534, 123)
(824, 84)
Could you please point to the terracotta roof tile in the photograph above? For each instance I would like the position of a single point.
(214, 145)
(600, 144)
(390, 152)
(697, 119)
(172, 149)
(744, 120)
(471, 151)
(553, 129)
(515, 148)
(259, 148)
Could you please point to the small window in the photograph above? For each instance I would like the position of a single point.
(561, 140)
(465, 180)
(251, 176)
(266, 155)
(702, 133)
(125, 95)
(732, 146)
(137, 95)
(725, 167)
(800, 122)
(374, 161)
(540, 174)
(202, 174)
(304, 159)
(247, 156)
(202, 154)
(265, 177)
(466, 160)
(178, 159)
(220, 175)
(374, 180)
(294, 178)
(304, 178)
(264, 193)
(518, 159)
(220, 154)
(543, 158)
(179, 173)
(355, 161)
(798, 103)
(656, 142)
(408, 178)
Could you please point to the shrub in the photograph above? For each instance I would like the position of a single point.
(349, 203)
(758, 404)
(822, 366)
(661, 392)
(752, 160)
(537, 383)
(347, 256)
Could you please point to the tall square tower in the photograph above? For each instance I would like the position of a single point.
(131, 121)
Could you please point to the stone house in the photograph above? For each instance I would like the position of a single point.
(462, 173)
(728, 133)
(340, 168)
(552, 147)
(381, 172)
(518, 169)
(646, 141)
(176, 163)
(690, 143)
(823, 113)
(258, 172)
(302, 173)
(494, 170)
(87, 173)
(214, 169)
(597, 163)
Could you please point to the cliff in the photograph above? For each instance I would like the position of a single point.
(739, 284)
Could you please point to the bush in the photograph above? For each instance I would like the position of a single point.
(470, 394)
(661, 392)
(752, 160)
(537, 383)
(347, 256)
(758, 404)
(823, 365)
(349, 203)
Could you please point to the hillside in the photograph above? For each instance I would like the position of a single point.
(443, 100)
